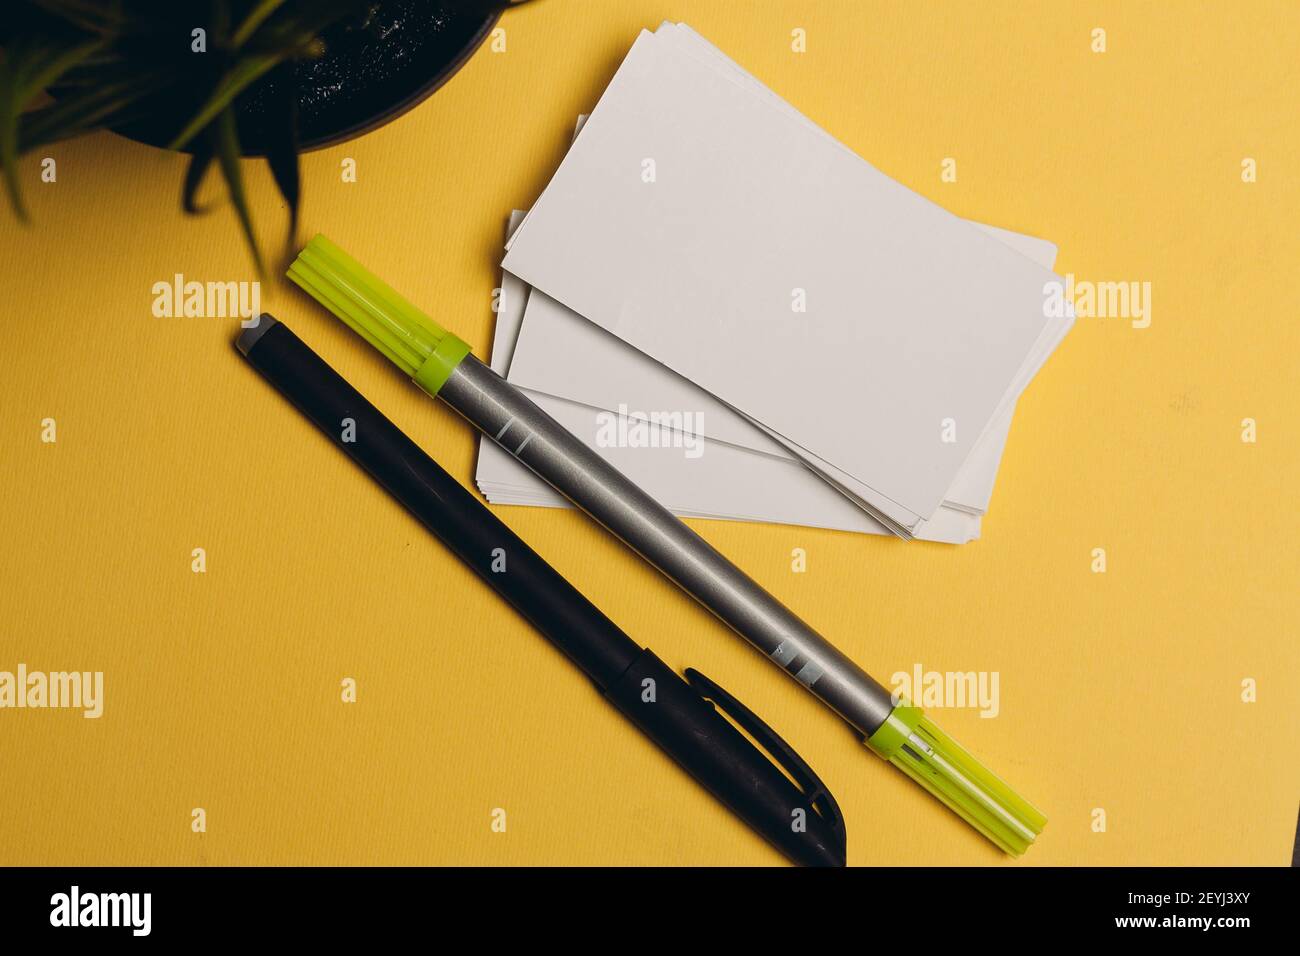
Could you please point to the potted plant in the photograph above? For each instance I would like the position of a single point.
(224, 79)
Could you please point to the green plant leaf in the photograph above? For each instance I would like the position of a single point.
(256, 17)
(30, 65)
(267, 47)
(244, 73)
(282, 142)
(194, 172)
(228, 154)
(47, 61)
(296, 29)
(92, 16)
(83, 110)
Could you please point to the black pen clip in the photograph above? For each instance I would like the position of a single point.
(819, 797)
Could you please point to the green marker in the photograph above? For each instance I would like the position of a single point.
(442, 365)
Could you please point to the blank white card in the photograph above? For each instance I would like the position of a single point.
(694, 220)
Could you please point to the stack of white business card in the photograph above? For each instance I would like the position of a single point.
(753, 323)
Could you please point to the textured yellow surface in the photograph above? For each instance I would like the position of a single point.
(1120, 691)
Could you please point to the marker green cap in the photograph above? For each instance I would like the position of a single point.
(411, 340)
(912, 743)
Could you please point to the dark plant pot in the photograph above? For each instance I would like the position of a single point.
(371, 73)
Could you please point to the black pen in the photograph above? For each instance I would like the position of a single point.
(802, 821)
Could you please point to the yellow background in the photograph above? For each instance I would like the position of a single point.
(1118, 690)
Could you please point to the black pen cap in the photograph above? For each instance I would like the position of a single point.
(803, 822)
